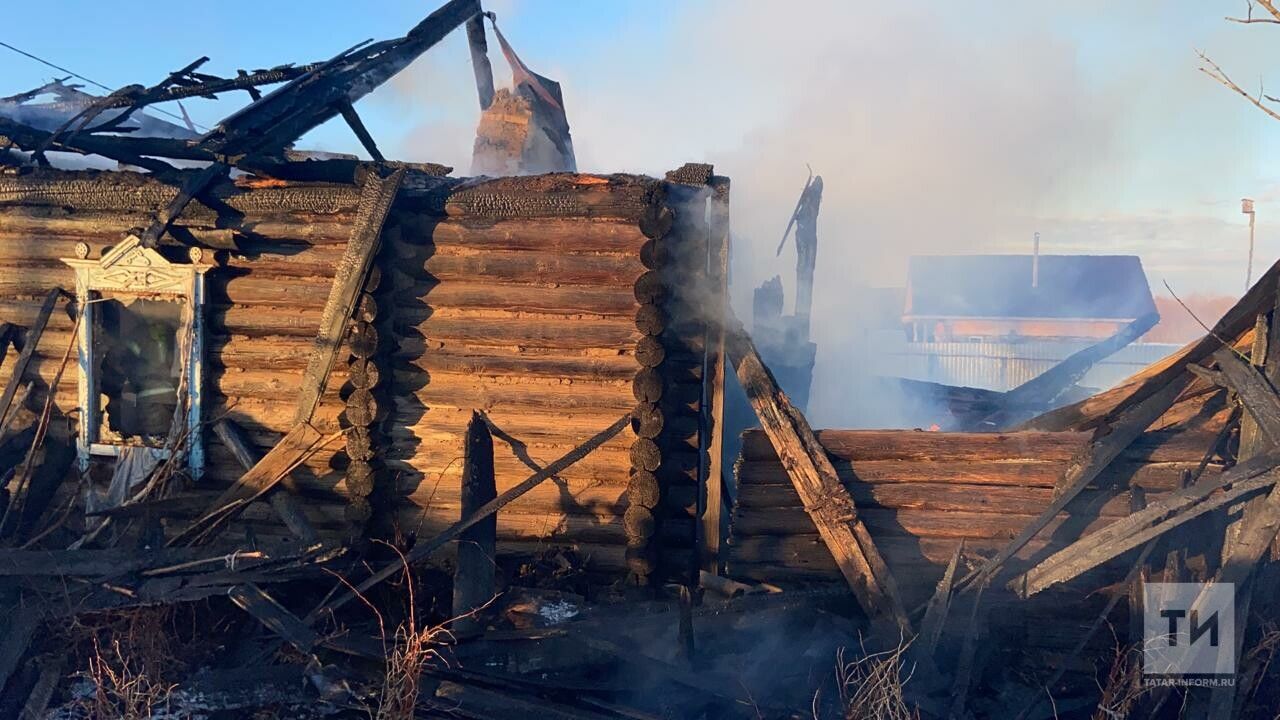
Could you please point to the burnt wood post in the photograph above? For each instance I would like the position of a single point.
(473, 579)
(712, 534)
(423, 550)
(825, 498)
(807, 251)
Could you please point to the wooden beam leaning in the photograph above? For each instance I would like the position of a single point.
(1249, 538)
(825, 498)
(423, 550)
(1159, 517)
(1085, 468)
(283, 503)
(192, 185)
(1049, 385)
(298, 444)
(375, 202)
(1261, 521)
(29, 344)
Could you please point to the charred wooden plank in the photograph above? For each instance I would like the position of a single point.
(479, 47)
(1048, 386)
(301, 442)
(266, 610)
(825, 498)
(1161, 516)
(22, 623)
(375, 202)
(285, 505)
(192, 185)
(935, 613)
(30, 342)
(712, 532)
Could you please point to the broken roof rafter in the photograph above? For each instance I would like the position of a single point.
(262, 131)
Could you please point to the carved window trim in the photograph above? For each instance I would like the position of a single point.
(131, 270)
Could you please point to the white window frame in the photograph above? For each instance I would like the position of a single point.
(131, 270)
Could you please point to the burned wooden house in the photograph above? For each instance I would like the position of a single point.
(272, 369)
(554, 304)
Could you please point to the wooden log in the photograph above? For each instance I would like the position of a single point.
(828, 503)
(375, 202)
(544, 332)
(549, 298)
(908, 522)
(561, 195)
(473, 580)
(940, 496)
(137, 193)
(772, 486)
(1032, 446)
(558, 236)
(525, 267)
(606, 366)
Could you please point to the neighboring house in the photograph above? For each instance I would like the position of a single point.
(957, 298)
(996, 321)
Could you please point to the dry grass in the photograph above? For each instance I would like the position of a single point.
(1123, 687)
(120, 690)
(871, 687)
(412, 650)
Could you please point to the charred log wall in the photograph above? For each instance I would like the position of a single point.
(531, 299)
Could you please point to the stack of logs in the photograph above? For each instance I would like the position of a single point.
(362, 408)
(667, 459)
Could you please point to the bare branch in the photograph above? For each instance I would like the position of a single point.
(1249, 19)
(1216, 73)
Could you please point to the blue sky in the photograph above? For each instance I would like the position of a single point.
(952, 129)
(938, 127)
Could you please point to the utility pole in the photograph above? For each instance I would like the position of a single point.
(1035, 262)
(1246, 207)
